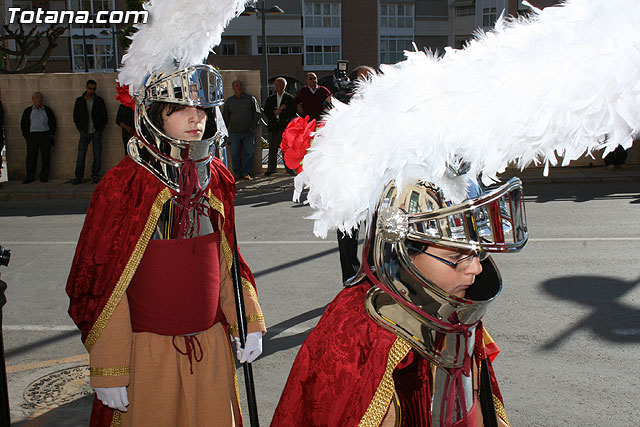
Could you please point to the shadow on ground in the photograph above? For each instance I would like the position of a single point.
(610, 319)
(582, 192)
(73, 414)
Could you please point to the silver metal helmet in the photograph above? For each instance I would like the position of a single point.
(162, 155)
(404, 300)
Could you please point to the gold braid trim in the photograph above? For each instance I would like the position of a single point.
(109, 372)
(251, 318)
(217, 204)
(235, 382)
(247, 286)
(500, 409)
(382, 398)
(116, 420)
(129, 269)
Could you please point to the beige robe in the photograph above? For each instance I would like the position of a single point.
(161, 389)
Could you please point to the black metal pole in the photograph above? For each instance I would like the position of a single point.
(5, 414)
(265, 64)
(242, 331)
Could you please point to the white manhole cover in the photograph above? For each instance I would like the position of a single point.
(58, 388)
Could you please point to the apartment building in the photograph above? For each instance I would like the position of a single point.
(90, 47)
(311, 35)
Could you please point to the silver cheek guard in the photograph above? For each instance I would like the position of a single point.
(162, 155)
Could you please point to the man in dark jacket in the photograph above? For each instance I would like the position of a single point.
(279, 108)
(38, 125)
(90, 118)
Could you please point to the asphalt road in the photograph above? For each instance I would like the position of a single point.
(567, 321)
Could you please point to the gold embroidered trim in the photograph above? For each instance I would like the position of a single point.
(226, 248)
(247, 286)
(235, 382)
(500, 409)
(129, 270)
(382, 398)
(109, 372)
(251, 318)
(116, 420)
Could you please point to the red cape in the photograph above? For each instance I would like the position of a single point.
(344, 372)
(121, 218)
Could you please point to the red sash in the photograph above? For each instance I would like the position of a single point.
(176, 289)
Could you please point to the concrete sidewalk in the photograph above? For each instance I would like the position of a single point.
(281, 181)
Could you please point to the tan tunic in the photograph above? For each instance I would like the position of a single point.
(162, 390)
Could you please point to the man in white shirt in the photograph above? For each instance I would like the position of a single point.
(38, 125)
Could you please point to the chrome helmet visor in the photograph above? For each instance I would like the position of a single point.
(197, 86)
(489, 221)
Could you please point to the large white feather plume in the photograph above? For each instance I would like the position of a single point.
(555, 84)
(178, 34)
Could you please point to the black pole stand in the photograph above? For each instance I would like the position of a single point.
(242, 331)
(5, 415)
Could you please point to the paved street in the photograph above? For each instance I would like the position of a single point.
(567, 321)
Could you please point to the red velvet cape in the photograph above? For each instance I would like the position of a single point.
(113, 239)
(339, 372)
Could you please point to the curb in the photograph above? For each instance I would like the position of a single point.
(63, 190)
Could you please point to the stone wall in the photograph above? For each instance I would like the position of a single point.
(59, 92)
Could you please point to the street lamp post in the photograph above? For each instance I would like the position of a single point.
(265, 63)
(263, 11)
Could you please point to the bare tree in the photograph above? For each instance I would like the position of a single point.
(26, 44)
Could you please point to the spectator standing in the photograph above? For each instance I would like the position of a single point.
(90, 118)
(124, 119)
(279, 108)
(38, 125)
(312, 99)
(1, 135)
(241, 114)
(616, 159)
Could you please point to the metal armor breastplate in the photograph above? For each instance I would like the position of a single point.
(167, 226)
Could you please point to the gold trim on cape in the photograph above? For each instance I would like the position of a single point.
(116, 420)
(109, 372)
(129, 270)
(500, 409)
(382, 398)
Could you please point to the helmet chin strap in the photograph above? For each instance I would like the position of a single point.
(190, 199)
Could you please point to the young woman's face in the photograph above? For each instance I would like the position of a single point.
(455, 282)
(186, 124)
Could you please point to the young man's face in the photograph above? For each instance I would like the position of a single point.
(91, 90)
(186, 124)
(453, 281)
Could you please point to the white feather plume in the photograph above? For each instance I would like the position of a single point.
(178, 34)
(564, 82)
